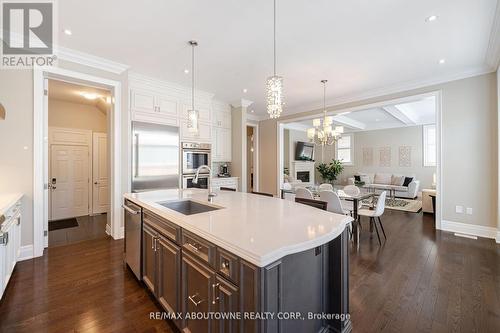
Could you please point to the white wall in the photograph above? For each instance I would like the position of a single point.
(75, 115)
(291, 137)
(394, 138)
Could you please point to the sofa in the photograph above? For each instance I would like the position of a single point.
(380, 182)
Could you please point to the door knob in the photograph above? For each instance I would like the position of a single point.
(95, 183)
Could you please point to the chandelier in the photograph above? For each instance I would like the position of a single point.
(193, 114)
(274, 83)
(322, 133)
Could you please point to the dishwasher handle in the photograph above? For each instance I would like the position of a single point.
(131, 211)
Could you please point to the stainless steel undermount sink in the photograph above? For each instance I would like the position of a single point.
(187, 207)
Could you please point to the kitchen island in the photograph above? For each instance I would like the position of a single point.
(244, 263)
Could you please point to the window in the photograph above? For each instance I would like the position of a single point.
(345, 149)
(430, 151)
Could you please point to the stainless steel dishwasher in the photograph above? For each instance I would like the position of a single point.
(133, 237)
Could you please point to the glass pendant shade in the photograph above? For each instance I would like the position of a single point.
(274, 96)
(310, 133)
(328, 120)
(317, 122)
(192, 124)
(339, 129)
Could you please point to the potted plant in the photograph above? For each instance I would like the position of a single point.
(330, 171)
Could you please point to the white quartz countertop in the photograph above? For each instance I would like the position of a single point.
(8, 200)
(256, 228)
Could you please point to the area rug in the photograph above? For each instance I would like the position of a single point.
(63, 224)
(405, 205)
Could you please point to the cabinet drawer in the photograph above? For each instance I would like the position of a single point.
(163, 226)
(227, 264)
(199, 247)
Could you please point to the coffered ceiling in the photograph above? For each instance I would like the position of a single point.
(359, 46)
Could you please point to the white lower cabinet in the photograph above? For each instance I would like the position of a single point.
(229, 182)
(10, 244)
(221, 144)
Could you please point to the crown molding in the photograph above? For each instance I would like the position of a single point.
(256, 117)
(89, 60)
(493, 51)
(402, 87)
(155, 84)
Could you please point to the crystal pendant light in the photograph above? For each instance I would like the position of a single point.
(274, 83)
(193, 114)
(322, 133)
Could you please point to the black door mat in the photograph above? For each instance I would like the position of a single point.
(63, 224)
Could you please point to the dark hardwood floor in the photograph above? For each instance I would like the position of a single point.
(419, 280)
(422, 280)
(89, 227)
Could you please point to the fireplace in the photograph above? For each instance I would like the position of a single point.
(303, 176)
(303, 171)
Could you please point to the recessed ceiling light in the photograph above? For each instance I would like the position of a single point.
(90, 96)
(442, 61)
(186, 71)
(245, 90)
(431, 18)
(68, 32)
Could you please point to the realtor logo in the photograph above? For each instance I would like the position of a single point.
(27, 33)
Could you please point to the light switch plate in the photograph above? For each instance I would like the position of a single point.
(469, 211)
(459, 209)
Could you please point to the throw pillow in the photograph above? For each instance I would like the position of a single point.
(365, 179)
(407, 181)
(397, 180)
(357, 178)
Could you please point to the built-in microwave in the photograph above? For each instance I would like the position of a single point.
(187, 181)
(195, 155)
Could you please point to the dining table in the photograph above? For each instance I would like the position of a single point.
(355, 199)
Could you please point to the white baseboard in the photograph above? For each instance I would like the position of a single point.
(108, 229)
(121, 233)
(25, 252)
(498, 237)
(470, 229)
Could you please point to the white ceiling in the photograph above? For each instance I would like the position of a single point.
(360, 46)
(413, 113)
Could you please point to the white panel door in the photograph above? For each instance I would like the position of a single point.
(100, 188)
(69, 179)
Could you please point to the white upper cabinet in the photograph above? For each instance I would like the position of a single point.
(143, 101)
(161, 102)
(204, 133)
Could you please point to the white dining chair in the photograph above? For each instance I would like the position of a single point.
(303, 193)
(375, 214)
(325, 187)
(333, 201)
(352, 191)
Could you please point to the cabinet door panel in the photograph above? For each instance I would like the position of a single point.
(226, 302)
(196, 292)
(169, 269)
(166, 106)
(142, 101)
(204, 133)
(149, 258)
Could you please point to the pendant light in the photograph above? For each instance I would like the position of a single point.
(193, 114)
(322, 133)
(274, 83)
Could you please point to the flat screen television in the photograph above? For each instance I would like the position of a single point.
(304, 151)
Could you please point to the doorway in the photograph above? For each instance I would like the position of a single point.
(110, 222)
(399, 138)
(78, 158)
(252, 157)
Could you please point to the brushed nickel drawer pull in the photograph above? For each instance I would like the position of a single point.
(193, 247)
(196, 303)
(214, 297)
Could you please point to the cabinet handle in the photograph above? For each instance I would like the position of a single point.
(153, 244)
(193, 247)
(214, 297)
(196, 303)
